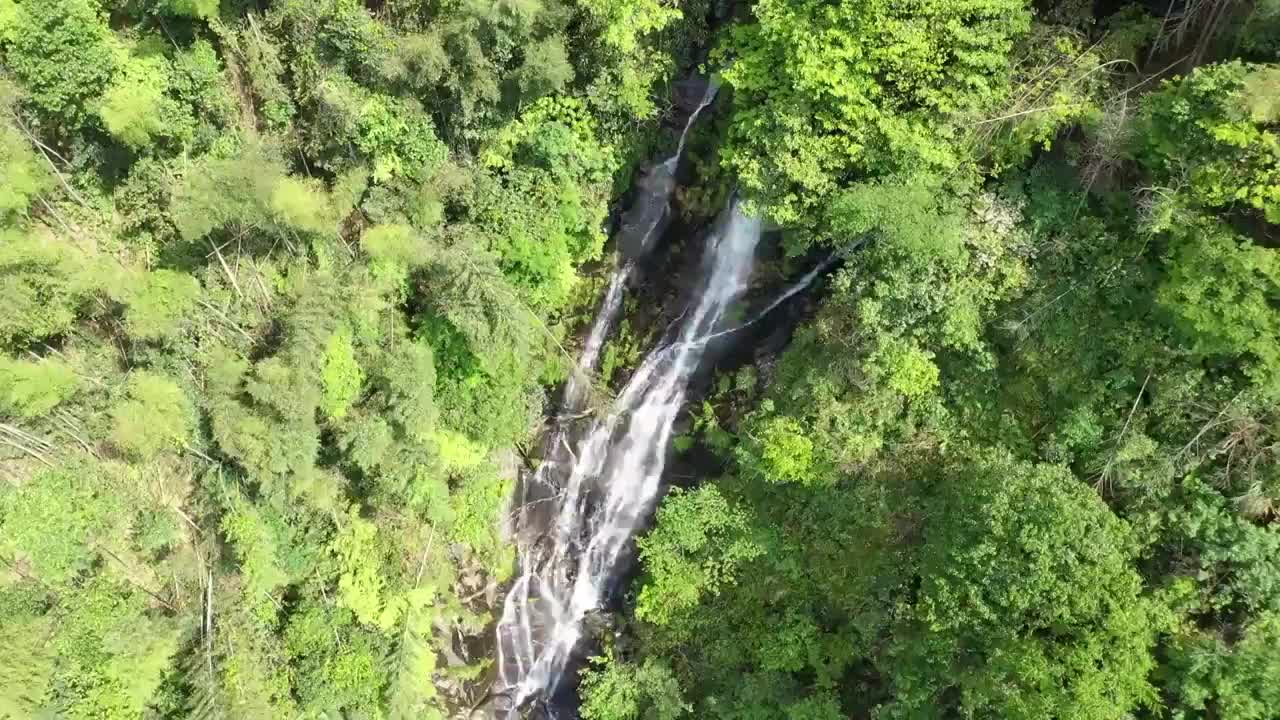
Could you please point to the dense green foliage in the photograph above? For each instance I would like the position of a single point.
(831, 91)
(1022, 462)
(285, 284)
(283, 288)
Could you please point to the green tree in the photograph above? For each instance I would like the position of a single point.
(1219, 290)
(395, 243)
(619, 691)
(1028, 606)
(39, 281)
(52, 523)
(1232, 678)
(137, 110)
(30, 389)
(289, 324)
(700, 542)
(545, 214)
(200, 9)
(159, 303)
(1214, 132)
(63, 53)
(301, 205)
(875, 89)
(249, 189)
(24, 173)
(778, 450)
(631, 33)
(342, 376)
(546, 68)
(156, 416)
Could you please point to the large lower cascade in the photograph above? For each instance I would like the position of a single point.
(596, 487)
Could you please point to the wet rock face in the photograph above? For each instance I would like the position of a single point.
(646, 220)
(573, 516)
(690, 92)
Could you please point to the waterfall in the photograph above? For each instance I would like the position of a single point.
(707, 96)
(602, 484)
(641, 224)
(647, 217)
(797, 287)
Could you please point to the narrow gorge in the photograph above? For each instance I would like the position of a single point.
(575, 516)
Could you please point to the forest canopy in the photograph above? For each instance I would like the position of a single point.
(288, 288)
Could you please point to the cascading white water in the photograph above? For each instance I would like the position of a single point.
(797, 287)
(707, 96)
(532, 613)
(570, 557)
(645, 220)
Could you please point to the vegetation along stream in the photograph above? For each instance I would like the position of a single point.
(639, 359)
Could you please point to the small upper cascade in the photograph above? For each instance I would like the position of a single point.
(609, 488)
(708, 95)
(643, 223)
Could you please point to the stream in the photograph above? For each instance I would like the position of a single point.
(574, 518)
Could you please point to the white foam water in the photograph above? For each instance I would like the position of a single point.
(599, 485)
(643, 223)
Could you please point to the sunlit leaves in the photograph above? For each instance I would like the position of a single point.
(156, 416)
(546, 68)
(36, 284)
(1060, 80)
(906, 217)
(399, 138)
(558, 135)
(341, 375)
(249, 189)
(547, 212)
(395, 243)
(200, 9)
(26, 660)
(1221, 290)
(777, 449)
(1028, 604)
(873, 89)
(632, 32)
(111, 656)
(134, 108)
(1234, 677)
(406, 383)
(160, 303)
(255, 538)
(906, 369)
(24, 174)
(299, 204)
(32, 388)
(265, 70)
(362, 582)
(1214, 132)
(50, 523)
(325, 681)
(615, 690)
(64, 53)
(628, 21)
(700, 543)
